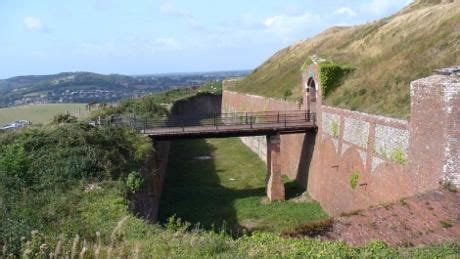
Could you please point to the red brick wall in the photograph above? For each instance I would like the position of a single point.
(435, 131)
(291, 145)
(393, 158)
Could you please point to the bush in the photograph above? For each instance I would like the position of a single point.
(287, 93)
(64, 118)
(134, 181)
(46, 170)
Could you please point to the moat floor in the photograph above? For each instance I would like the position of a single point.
(220, 184)
(430, 218)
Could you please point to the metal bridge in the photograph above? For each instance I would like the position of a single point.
(235, 124)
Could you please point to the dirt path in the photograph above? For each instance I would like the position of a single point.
(430, 218)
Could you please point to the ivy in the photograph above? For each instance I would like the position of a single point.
(332, 75)
(354, 179)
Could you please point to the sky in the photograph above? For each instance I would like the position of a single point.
(164, 36)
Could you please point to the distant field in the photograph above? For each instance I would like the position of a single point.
(38, 113)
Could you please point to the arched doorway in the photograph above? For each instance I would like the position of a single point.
(310, 94)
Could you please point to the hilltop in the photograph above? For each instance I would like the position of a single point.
(388, 54)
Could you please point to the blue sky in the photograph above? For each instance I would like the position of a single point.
(156, 36)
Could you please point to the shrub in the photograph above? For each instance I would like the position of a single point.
(134, 181)
(286, 94)
(64, 118)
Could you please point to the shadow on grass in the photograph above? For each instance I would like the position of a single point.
(193, 191)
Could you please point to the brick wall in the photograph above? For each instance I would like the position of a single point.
(292, 146)
(388, 158)
(371, 149)
(435, 129)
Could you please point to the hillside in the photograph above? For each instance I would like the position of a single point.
(84, 87)
(388, 54)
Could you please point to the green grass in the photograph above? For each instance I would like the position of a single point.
(38, 113)
(228, 188)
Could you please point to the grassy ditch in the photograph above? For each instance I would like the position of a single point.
(220, 183)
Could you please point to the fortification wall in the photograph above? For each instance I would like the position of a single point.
(147, 201)
(361, 157)
(358, 160)
(294, 147)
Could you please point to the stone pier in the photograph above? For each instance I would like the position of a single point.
(275, 186)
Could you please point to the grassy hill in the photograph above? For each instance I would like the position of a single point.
(388, 54)
(85, 87)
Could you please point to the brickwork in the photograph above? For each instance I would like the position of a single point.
(389, 158)
(435, 143)
(292, 145)
(275, 186)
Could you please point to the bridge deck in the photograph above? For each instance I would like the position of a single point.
(236, 124)
(221, 131)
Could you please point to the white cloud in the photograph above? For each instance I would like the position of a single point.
(345, 11)
(166, 44)
(168, 8)
(290, 27)
(33, 23)
(383, 7)
(132, 47)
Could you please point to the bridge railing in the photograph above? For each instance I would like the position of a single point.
(241, 119)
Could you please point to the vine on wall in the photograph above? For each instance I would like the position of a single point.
(331, 75)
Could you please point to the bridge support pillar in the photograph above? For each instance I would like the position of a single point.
(275, 186)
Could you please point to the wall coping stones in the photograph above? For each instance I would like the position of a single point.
(449, 71)
(372, 118)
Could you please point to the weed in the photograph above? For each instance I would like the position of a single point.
(403, 202)
(372, 224)
(446, 223)
(351, 213)
(399, 156)
(354, 179)
(335, 129)
(387, 206)
(450, 187)
(311, 229)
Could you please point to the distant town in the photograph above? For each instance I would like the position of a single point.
(85, 87)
